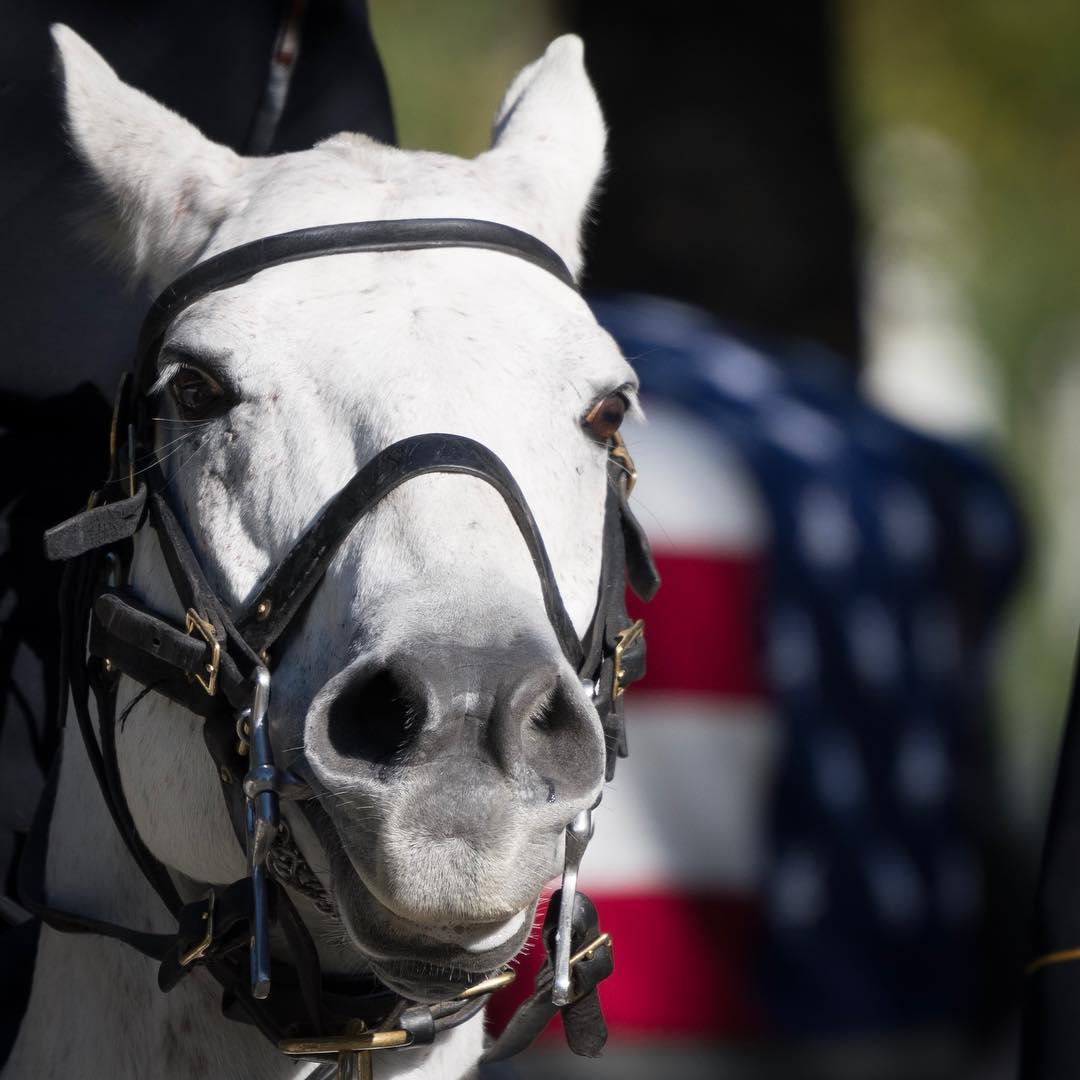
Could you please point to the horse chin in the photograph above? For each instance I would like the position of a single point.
(424, 961)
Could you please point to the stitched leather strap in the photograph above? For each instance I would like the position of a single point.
(95, 528)
(302, 568)
(620, 561)
(156, 653)
(239, 264)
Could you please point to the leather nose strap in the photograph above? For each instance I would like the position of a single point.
(292, 580)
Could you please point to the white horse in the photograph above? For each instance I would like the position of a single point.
(272, 393)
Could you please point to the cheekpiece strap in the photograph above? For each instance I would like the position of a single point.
(614, 645)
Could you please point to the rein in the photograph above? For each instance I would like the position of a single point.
(218, 665)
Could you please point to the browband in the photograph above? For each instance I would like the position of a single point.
(239, 264)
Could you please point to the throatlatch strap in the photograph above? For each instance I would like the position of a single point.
(31, 885)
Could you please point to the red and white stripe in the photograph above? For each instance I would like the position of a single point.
(676, 865)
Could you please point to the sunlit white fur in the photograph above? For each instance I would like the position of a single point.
(333, 359)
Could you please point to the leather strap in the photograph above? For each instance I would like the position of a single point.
(624, 546)
(155, 653)
(239, 264)
(98, 527)
(31, 885)
(641, 569)
(299, 572)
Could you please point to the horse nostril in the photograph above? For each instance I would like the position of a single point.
(374, 717)
(552, 712)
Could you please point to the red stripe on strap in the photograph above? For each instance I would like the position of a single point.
(681, 966)
(703, 627)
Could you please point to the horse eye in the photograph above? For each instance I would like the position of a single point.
(196, 394)
(605, 417)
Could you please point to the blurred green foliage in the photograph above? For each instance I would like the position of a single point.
(448, 64)
(1001, 81)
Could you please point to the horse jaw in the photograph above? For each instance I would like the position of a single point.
(334, 359)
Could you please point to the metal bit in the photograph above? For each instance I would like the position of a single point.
(578, 834)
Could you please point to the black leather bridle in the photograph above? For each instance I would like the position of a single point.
(218, 665)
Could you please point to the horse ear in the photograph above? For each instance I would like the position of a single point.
(548, 142)
(162, 186)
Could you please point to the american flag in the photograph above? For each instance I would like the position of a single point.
(787, 850)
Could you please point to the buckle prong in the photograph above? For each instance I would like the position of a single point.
(618, 453)
(199, 950)
(586, 952)
(623, 640)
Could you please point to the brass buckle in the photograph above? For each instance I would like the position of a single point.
(206, 630)
(345, 1044)
(586, 953)
(198, 951)
(353, 1051)
(354, 1048)
(488, 986)
(620, 454)
(623, 640)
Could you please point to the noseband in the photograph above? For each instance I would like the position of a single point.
(218, 664)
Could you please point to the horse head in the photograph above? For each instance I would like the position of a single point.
(422, 693)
